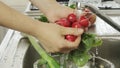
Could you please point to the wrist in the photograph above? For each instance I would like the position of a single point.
(37, 30)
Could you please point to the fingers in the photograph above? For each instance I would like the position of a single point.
(65, 47)
(72, 31)
(75, 44)
(69, 46)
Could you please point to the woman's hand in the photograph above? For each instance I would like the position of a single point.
(57, 12)
(60, 11)
(52, 9)
(52, 37)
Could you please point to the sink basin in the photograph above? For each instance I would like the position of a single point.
(2, 33)
(109, 50)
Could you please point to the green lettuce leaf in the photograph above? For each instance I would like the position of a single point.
(81, 55)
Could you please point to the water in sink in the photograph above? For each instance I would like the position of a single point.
(95, 62)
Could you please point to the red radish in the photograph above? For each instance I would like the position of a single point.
(71, 17)
(82, 17)
(71, 38)
(76, 25)
(71, 21)
(63, 22)
(84, 22)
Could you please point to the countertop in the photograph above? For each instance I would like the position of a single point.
(101, 28)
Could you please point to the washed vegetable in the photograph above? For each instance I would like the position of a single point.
(82, 17)
(74, 22)
(63, 22)
(71, 38)
(72, 17)
(77, 25)
(84, 22)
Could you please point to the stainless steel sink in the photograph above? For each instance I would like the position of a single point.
(2, 33)
(110, 50)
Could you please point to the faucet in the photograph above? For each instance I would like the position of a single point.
(104, 17)
(100, 14)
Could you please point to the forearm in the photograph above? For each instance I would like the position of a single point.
(13, 19)
(44, 5)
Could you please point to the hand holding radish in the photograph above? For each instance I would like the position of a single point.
(83, 22)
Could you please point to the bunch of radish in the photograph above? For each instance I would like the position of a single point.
(72, 20)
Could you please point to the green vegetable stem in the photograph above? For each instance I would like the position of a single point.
(50, 61)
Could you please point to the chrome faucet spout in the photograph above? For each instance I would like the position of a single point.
(104, 17)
